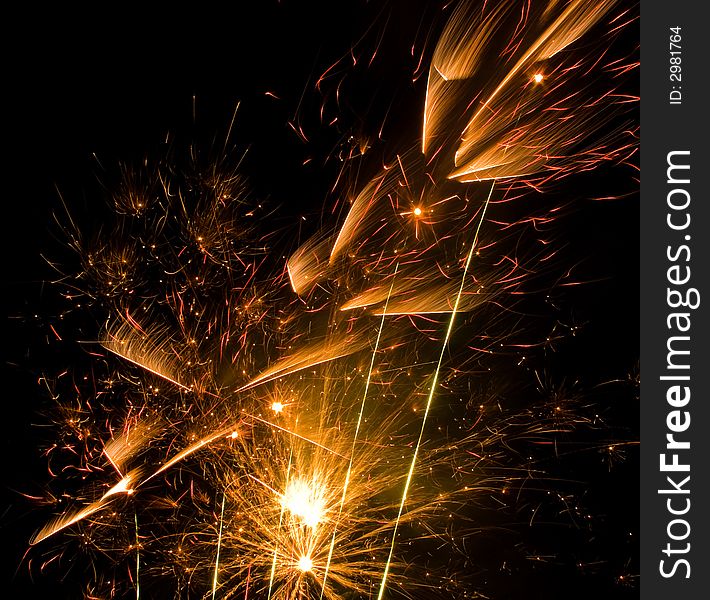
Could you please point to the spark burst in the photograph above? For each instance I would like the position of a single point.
(264, 428)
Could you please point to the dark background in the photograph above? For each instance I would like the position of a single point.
(86, 86)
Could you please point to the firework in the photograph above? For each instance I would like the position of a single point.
(265, 427)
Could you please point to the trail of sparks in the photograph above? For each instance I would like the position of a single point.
(357, 430)
(430, 398)
(207, 440)
(219, 547)
(296, 435)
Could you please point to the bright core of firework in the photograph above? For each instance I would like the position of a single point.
(306, 501)
(305, 563)
(277, 407)
(538, 77)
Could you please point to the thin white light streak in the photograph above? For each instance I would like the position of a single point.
(432, 390)
(219, 546)
(357, 429)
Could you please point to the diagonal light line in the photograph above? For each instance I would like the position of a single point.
(357, 429)
(219, 546)
(432, 390)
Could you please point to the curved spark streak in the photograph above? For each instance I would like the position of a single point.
(122, 487)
